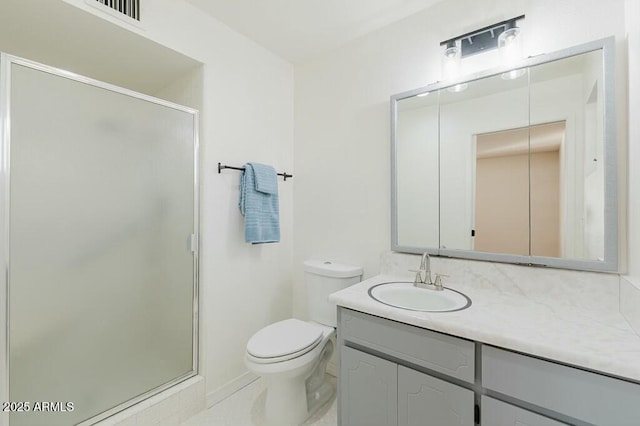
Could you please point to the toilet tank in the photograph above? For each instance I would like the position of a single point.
(323, 278)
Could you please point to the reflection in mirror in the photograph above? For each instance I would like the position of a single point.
(516, 166)
(487, 106)
(570, 90)
(417, 171)
(504, 161)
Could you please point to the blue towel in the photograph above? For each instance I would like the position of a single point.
(259, 203)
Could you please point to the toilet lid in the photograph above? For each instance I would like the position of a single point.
(284, 338)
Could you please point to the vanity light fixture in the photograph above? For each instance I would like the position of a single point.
(485, 39)
(504, 35)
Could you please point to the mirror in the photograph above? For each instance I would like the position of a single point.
(515, 165)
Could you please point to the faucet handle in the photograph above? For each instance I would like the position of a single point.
(438, 282)
(419, 275)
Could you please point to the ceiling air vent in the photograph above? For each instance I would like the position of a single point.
(130, 8)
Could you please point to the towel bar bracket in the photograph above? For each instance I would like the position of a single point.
(224, 166)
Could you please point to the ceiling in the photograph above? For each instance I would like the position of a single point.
(297, 30)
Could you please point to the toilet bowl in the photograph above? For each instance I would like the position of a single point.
(292, 355)
(286, 365)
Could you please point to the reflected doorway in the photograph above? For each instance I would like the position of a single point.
(517, 189)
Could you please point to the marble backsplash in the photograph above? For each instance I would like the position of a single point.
(587, 290)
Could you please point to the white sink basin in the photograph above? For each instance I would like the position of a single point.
(406, 296)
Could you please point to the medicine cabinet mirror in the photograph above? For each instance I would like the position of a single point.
(513, 165)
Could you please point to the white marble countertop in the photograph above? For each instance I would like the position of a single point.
(591, 338)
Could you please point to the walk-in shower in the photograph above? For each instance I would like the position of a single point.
(99, 215)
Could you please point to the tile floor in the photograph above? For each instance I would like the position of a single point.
(246, 408)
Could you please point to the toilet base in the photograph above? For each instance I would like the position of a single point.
(290, 401)
(286, 403)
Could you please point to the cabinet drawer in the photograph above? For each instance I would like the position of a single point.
(498, 413)
(589, 397)
(436, 351)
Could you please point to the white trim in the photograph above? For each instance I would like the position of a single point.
(230, 388)
(4, 232)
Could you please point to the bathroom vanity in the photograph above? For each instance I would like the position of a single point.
(537, 346)
(401, 367)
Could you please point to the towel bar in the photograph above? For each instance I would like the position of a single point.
(224, 166)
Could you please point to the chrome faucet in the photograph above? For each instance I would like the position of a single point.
(423, 275)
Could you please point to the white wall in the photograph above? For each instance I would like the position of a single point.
(246, 115)
(633, 30)
(630, 286)
(341, 195)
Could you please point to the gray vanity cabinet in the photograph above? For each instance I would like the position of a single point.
(379, 383)
(395, 374)
(369, 389)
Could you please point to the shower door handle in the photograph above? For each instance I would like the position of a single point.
(192, 243)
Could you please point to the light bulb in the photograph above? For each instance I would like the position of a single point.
(451, 61)
(451, 52)
(510, 46)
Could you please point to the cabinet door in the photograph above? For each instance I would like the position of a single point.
(426, 401)
(498, 413)
(368, 390)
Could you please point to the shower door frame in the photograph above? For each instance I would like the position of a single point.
(6, 60)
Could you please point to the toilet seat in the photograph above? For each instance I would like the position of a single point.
(283, 340)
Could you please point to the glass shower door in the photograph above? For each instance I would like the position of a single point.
(102, 267)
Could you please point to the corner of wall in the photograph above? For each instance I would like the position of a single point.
(630, 301)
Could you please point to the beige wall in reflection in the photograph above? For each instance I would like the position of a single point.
(502, 204)
(545, 201)
(506, 176)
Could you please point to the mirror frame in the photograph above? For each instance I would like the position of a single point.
(610, 152)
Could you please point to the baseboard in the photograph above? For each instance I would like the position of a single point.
(177, 404)
(230, 388)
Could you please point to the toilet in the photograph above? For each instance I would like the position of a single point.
(292, 355)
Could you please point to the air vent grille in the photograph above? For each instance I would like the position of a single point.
(130, 8)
